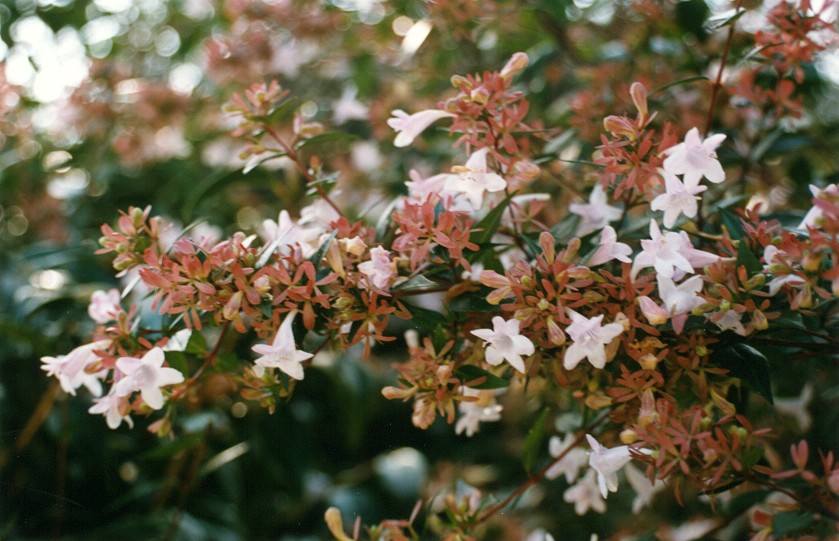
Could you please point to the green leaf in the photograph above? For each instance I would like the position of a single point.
(533, 441)
(749, 365)
(732, 223)
(678, 83)
(483, 231)
(791, 521)
(746, 258)
(468, 373)
(724, 19)
(425, 318)
(752, 457)
(317, 257)
(471, 303)
(325, 138)
(253, 164)
(741, 502)
(416, 282)
(196, 345)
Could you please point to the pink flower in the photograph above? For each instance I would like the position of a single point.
(669, 253)
(71, 369)
(678, 199)
(104, 307)
(473, 179)
(590, 340)
(680, 300)
(571, 463)
(114, 408)
(695, 158)
(813, 218)
(504, 343)
(282, 353)
(147, 375)
(610, 249)
(410, 126)
(379, 270)
(596, 214)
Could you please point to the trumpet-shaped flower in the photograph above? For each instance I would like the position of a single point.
(669, 253)
(504, 343)
(610, 248)
(379, 269)
(643, 487)
(680, 300)
(114, 408)
(71, 369)
(473, 179)
(282, 353)
(472, 414)
(607, 463)
(590, 340)
(104, 307)
(584, 495)
(678, 198)
(410, 126)
(813, 218)
(569, 465)
(147, 375)
(596, 214)
(695, 158)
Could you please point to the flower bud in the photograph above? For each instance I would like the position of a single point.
(755, 281)
(811, 262)
(516, 63)
(548, 245)
(543, 304)
(648, 361)
(628, 436)
(231, 309)
(555, 334)
(526, 170)
(639, 97)
(759, 320)
(460, 82)
(335, 525)
(593, 296)
(480, 95)
(618, 125)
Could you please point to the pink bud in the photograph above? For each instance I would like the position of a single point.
(516, 63)
(639, 98)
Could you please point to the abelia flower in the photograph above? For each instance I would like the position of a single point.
(71, 369)
(504, 343)
(644, 489)
(410, 126)
(285, 233)
(472, 414)
(814, 216)
(421, 188)
(607, 463)
(147, 375)
(678, 199)
(778, 259)
(729, 320)
(379, 270)
(474, 178)
(797, 407)
(596, 214)
(680, 300)
(669, 253)
(590, 339)
(610, 249)
(282, 353)
(695, 158)
(104, 307)
(570, 464)
(114, 408)
(585, 495)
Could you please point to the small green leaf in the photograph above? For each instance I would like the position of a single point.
(253, 164)
(533, 441)
(791, 521)
(325, 138)
(749, 365)
(678, 83)
(468, 373)
(317, 257)
(416, 282)
(746, 258)
(724, 19)
(471, 303)
(425, 318)
(483, 231)
(752, 457)
(732, 223)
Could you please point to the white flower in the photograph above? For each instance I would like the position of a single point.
(610, 248)
(607, 463)
(282, 353)
(379, 269)
(113, 408)
(682, 298)
(146, 375)
(104, 307)
(596, 214)
(570, 464)
(773, 256)
(348, 108)
(678, 199)
(420, 188)
(644, 489)
(410, 126)
(695, 158)
(729, 321)
(797, 407)
(539, 535)
(505, 343)
(179, 341)
(584, 495)
(472, 414)
(285, 233)
(669, 253)
(590, 340)
(473, 179)
(71, 369)
(813, 217)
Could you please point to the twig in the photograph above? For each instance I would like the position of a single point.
(717, 84)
